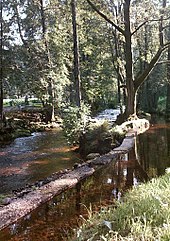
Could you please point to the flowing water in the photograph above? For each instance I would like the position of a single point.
(55, 220)
(30, 159)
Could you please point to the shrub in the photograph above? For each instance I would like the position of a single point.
(75, 120)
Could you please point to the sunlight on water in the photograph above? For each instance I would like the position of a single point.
(29, 159)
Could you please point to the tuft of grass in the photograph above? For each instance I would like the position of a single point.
(143, 214)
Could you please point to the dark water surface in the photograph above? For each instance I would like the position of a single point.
(55, 219)
(30, 159)
(154, 149)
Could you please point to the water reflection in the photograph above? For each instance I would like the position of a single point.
(56, 219)
(154, 149)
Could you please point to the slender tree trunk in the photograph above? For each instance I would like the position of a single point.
(49, 63)
(117, 71)
(131, 94)
(168, 78)
(168, 70)
(76, 56)
(1, 66)
(161, 37)
(121, 99)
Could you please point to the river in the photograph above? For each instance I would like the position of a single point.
(56, 219)
(154, 148)
(29, 159)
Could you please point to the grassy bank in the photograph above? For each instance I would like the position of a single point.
(143, 214)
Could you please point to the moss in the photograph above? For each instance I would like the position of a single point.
(21, 133)
(99, 138)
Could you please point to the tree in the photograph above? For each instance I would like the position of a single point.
(48, 63)
(168, 77)
(76, 56)
(98, 82)
(133, 81)
(5, 53)
(41, 50)
(1, 64)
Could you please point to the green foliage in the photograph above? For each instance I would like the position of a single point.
(97, 138)
(153, 90)
(27, 68)
(162, 104)
(97, 71)
(75, 120)
(143, 214)
(4, 198)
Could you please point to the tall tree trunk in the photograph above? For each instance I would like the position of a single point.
(132, 83)
(76, 56)
(1, 65)
(168, 78)
(131, 95)
(49, 63)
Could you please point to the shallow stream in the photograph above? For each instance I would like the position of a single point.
(29, 159)
(55, 220)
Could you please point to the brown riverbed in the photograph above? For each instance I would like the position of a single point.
(53, 220)
(29, 159)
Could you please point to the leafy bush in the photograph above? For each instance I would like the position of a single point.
(75, 120)
(96, 139)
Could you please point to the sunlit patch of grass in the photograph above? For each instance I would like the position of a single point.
(143, 214)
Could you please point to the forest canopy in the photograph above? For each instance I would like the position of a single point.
(102, 53)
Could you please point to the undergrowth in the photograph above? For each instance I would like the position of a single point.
(74, 122)
(142, 215)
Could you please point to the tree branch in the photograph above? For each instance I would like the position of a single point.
(151, 20)
(141, 78)
(164, 62)
(105, 17)
(142, 24)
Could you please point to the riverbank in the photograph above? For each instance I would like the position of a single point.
(30, 199)
(22, 122)
(19, 206)
(142, 214)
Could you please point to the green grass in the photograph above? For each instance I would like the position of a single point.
(15, 102)
(142, 215)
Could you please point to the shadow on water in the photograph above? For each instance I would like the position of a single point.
(154, 149)
(56, 219)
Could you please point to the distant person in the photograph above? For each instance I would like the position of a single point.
(11, 103)
(48, 112)
(26, 100)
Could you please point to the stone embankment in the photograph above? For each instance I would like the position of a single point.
(20, 207)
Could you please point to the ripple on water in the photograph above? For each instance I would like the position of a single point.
(29, 159)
